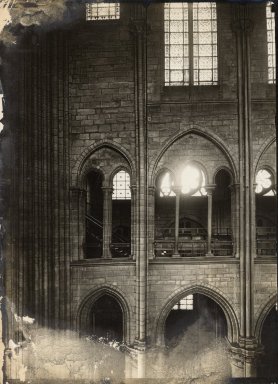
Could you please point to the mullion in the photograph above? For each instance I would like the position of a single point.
(190, 44)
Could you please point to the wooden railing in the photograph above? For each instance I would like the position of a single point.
(266, 241)
(191, 248)
(193, 242)
(120, 249)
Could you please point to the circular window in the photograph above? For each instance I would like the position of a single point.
(193, 181)
(264, 183)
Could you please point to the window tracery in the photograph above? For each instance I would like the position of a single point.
(271, 56)
(185, 304)
(265, 183)
(192, 182)
(190, 44)
(102, 11)
(121, 186)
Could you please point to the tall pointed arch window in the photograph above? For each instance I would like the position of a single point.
(271, 55)
(190, 31)
(121, 215)
(121, 186)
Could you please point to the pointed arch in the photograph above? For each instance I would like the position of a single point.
(83, 313)
(87, 152)
(264, 147)
(205, 133)
(263, 313)
(223, 168)
(212, 293)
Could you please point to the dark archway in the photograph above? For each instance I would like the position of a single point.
(199, 319)
(222, 218)
(269, 336)
(94, 215)
(121, 215)
(106, 318)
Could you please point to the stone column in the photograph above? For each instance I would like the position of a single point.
(177, 191)
(235, 218)
(138, 28)
(133, 237)
(107, 222)
(209, 190)
(141, 361)
(242, 27)
(78, 223)
(254, 222)
(151, 221)
(245, 358)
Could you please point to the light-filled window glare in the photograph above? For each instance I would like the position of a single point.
(265, 183)
(270, 27)
(121, 186)
(185, 304)
(166, 187)
(190, 31)
(102, 11)
(192, 182)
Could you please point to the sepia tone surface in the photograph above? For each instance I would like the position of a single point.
(138, 187)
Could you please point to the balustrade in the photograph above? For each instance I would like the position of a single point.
(266, 241)
(193, 242)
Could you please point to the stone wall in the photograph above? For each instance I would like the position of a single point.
(88, 95)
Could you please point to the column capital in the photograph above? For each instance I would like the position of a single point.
(107, 189)
(152, 190)
(210, 188)
(140, 345)
(254, 187)
(138, 27)
(249, 343)
(133, 188)
(177, 189)
(244, 358)
(234, 187)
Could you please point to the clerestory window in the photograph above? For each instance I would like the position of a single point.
(121, 186)
(190, 31)
(270, 27)
(185, 304)
(102, 11)
(265, 183)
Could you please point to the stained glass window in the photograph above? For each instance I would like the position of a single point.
(190, 31)
(102, 11)
(185, 304)
(264, 183)
(270, 27)
(121, 186)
